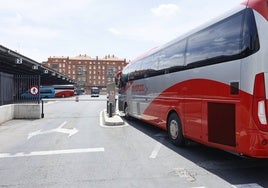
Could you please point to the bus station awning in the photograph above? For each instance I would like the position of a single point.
(14, 63)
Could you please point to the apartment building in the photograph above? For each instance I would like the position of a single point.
(88, 71)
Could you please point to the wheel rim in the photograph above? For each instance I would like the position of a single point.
(174, 129)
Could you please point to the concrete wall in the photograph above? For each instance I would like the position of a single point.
(27, 111)
(6, 113)
(20, 111)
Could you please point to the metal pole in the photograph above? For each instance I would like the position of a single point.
(110, 109)
(42, 114)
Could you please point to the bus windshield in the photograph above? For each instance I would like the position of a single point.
(95, 91)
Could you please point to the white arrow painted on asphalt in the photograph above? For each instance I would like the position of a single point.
(60, 129)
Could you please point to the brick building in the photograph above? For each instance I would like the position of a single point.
(88, 71)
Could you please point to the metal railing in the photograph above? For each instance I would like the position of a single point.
(22, 87)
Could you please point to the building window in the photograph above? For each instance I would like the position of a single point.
(55, 66)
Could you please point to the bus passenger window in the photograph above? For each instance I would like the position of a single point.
(250, 43)
(217, 42)
(172, 56)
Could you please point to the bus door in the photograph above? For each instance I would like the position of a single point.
(139, 98)
(192, 110)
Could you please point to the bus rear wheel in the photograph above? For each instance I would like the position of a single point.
(175, 130)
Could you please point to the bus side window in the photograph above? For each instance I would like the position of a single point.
(217, 43)
(150, 66)
(172, 57)
(250, 43)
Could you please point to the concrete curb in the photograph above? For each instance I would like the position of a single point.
(115, 120)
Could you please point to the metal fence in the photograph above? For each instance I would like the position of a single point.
(22, 88)
(6, 88)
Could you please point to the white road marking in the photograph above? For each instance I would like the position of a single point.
(52, 152)
(60, 129)
(249, 185)
(156, 149)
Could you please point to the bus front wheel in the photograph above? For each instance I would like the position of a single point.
(175, 130)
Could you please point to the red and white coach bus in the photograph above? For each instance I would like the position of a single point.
(209, 85)
(64, 90)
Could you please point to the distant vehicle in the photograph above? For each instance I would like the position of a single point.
(209, 85)
(79, 91)
(95, 92)
(62, 91)
(45, 92)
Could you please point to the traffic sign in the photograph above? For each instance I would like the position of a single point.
(34, 90)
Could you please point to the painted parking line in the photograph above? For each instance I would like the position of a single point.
(157, 148)
(51, 152)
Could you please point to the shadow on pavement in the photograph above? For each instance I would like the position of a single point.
(232, 168)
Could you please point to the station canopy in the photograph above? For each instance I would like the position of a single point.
(14, 63)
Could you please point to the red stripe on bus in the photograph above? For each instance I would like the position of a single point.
(190, 100)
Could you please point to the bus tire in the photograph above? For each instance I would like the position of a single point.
(175, 130)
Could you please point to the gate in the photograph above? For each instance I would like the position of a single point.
(23, 91)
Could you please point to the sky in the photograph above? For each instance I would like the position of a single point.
(40, 29)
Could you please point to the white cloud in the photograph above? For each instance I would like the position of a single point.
(114, 31)
(45, 28)
(165, 10)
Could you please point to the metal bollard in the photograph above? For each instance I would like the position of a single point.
(110, 109)
(42, 113)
